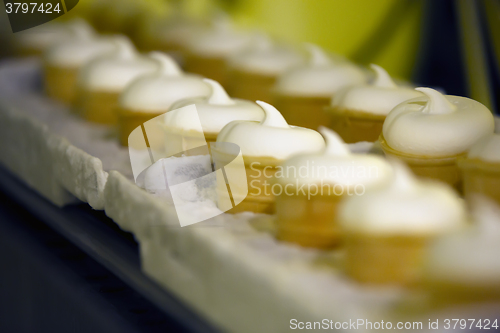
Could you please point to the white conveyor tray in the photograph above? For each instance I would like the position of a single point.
(237, 276)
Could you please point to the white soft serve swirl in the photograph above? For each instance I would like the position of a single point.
(487, 149)
(214, 112)
(378, 98)
(335, 165)
(470, 256)
(321, 77)
(44, 36)
(113, 71)
(437, 125)
(220, 41)
(272, 137)
(78, 48)
(405, 206)
(158, 91)
(265, 57)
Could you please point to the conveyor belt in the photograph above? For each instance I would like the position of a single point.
(82, 245)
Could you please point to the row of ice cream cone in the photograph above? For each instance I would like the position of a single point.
(386, 230)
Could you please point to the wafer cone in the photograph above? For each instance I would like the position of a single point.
(448, 293)
(251, 86)
(355, 126)
(303, 111)
(379, 259)
(308, 220)
(98, 106)
(444, 168)
(61, 83)
(128, 120)
(259, 173)
(480, 177)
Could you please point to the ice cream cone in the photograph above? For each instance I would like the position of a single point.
(258, 148)
(444, 168)
(480, 177)
(388, 230)
(311, 186)
(98, 106)
(357, 112)
(60, 83)
(463, 267)
(303, 111)
(355, 126)
(251, 86)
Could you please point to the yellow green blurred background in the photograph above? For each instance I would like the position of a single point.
(348, 27)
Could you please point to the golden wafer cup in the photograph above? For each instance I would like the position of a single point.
(98, 106)
(249, 85)
(259, 174)
(308, 219)
(208, 66)
(444, 168)
(480, 177)
(445, 293)
(355, 126)
(128, 120)
(385, 259)
(303, 111)
(27, 51)
(60, 83)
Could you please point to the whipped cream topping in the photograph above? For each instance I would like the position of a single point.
(405, 206)
(214, 112)
(272, 137)
(220, 41)
(335, 165)
(158, 91)
(113, 71)
(379, 98)
(487, 149)
(321, 77)
(79, 47)
(179, 30)
(44, 36)
(265, 57)
(437, 125)
(470, 256)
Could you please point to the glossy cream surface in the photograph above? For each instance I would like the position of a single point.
(322, 76)
(272, 137)
(158, 91)
(222, 40)
(486, 149)
(470, 256)
(379, 97)
(214, 112)
(437, 125)
(335, 165)
(81, 45)
(114, 71)
(404, 206)
(266, 57)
